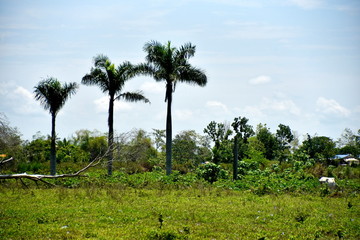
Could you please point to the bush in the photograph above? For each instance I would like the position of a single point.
(211, 172)
(32, 167)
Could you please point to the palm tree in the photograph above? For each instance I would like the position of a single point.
(111, 80)
(171, 65)
(52, 96)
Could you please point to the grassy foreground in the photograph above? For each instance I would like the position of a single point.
(202, 212)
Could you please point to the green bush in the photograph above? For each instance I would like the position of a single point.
(211, 172)
(32, 167)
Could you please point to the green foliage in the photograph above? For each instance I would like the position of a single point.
(211, 172)
(255, 152)
(135, 152)
(190, 148)
(321, 149)
(93, 143)
(284, 137)
(349, 142)
(32, 167)
(159, 139)
(219, 133)
(268, 140)
(38, 150)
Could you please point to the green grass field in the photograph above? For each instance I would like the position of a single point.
(201, 212)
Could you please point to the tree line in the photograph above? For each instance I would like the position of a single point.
(236, 145)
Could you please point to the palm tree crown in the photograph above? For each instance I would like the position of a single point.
(169, 64)
(111, 80)
(53, 95)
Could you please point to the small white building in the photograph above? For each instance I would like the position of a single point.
(330, 181)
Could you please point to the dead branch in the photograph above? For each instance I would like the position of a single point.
(41, 177)
(6, 160)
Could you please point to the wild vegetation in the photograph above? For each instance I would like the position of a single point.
(271, 198)
(232, 181)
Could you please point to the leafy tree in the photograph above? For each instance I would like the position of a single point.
(255, 151)
(52, 96)
(159, 136)
(10, 138)
(111, 80)
(92, 142)
(269, 141)
(68, 151)
(184, 146)
(349, 142)
(171, 65)
(38, 149)
(136, 151)
(219, 133)
(190, 148)
(140, 147)
(242, 132)
(319, 148)
(284, 137)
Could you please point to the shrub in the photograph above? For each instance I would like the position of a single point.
(211, 172)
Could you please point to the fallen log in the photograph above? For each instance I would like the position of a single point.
(41, 177)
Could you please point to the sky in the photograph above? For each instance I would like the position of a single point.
(291, 62)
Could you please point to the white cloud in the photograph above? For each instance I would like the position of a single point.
(268, 106)
(25, 101)
(183, 114)
(281, 105)
(217, 105)
(102, 105)
(330, 106)
(24, 93)
(260, 80)
(253, 112)
(153, 87)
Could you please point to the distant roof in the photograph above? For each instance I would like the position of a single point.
(341, 156)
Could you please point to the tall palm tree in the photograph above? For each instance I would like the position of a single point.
(53, 95)
(111, 80)
(171, 65)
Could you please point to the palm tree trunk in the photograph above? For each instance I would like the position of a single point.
(168, 129)
(52, 146)
(111, 135)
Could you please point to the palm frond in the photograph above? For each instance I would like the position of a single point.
(101, 61)
(159, 55)
(185, 51)
(97, 77)
(192, 75)
(126, 70)
(133, 97)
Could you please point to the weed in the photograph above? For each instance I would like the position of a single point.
(301, 217)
